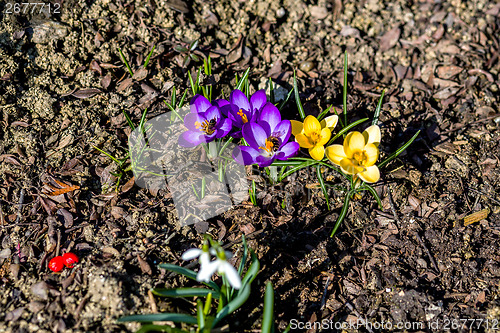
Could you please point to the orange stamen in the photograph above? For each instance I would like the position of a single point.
(243, 116)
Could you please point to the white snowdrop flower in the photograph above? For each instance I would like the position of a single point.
(222, 267)
(203, 255)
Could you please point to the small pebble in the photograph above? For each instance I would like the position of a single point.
(280, 12)
(306, 66)
(497, 120)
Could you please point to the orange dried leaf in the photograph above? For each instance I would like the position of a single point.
(62, 189)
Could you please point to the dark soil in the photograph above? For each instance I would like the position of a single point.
(417, 260)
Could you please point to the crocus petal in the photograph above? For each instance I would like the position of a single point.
(206, 271)
(324, 136)
(254, 135)
(330, 122)
(245, 155)
(303, 141)
(297, 127)
(220, 103)
(223, 128)
(191, 120)
(258, 99)
(311, 125)
(269, 117)
(264, 161)
(237, 134)
(231, 274)
(317, 152)
(199, 104)
(371, 152)
(191, 139)
(349, 167)
(289, 150)
(372, 135)
(371, 175)
(335, 153)
(238, 98)
(283, 131)
(353, 142)
(213, 112)
(191, 254)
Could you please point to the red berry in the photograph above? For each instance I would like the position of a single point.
(56, 264)
(69, 259)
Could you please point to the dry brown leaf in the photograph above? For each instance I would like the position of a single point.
(390, 39)
(61, 189)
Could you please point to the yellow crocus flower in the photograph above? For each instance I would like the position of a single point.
(313, 134)
(358, 155)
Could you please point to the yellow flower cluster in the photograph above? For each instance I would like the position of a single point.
(357, 156)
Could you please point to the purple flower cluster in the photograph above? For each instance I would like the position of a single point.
(257, 121)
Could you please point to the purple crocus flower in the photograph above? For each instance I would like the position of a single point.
(267, 139)
(241, 110)
(205, 123)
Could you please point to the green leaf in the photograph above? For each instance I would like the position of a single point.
(194, 57)
(147, 318)
(297, 98)
(184, 292)
(399, 151)
(189, 274)
(367, 187)
(267, 320)
(200, 316)
(377, 110)
(322, 184)
(252, 272)
(285, 100)
(159, 328)
(180, 49)
(243, 79)
(297, 168)
(345, 129)
(235, 304)
(193, 45)
(343, 212)
(108, 155)
(271, 91)
(324, 113)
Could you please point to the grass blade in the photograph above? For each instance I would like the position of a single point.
(322, 183)
(399, 151)
(377, 110)
(297, 98)
(345, 129)
(242, 80)
(344, 93)
(285, 100)
(297, 168)
(375, 195)
(267, 320)
(343, 212)
(324, 113)
(149, 56)
(126, 62)
(129, 121)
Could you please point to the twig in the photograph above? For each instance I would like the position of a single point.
(485, 194)
(154, 308)
(323, 298)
